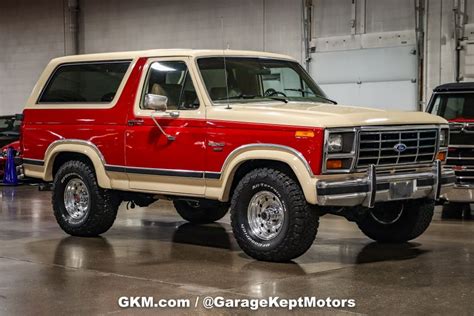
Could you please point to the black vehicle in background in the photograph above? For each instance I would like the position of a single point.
(455, 103)
(9, 129)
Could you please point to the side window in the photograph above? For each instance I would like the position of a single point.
(454, 107)
(436, 107)
(173, 80)
(95, 82)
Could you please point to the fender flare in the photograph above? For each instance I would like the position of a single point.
(293, 158)
(83, 147)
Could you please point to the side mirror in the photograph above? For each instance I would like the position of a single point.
(156, 102)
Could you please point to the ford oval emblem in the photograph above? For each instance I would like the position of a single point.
(399, 148)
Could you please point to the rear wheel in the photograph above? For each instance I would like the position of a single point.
(80, 206)
(271, 219)
(201, 211)
(397, 222)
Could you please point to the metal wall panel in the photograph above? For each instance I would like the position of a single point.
(332, 17)
(389, 15)
(273, 25)
(31, 33)
(440, 46)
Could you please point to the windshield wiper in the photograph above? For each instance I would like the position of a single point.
(308, 92)
(236, 97)
(250, 96)
(276, 98)
(326, 99)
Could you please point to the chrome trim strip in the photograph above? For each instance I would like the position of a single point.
(461, 146)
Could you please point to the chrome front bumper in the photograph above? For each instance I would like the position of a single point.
(459, 193)
(372, 188)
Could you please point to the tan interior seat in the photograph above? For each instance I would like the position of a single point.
(158, 89)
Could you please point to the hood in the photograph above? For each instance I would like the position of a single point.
(15, 145)
(321, 115)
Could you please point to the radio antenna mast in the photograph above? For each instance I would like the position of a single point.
(225, 64)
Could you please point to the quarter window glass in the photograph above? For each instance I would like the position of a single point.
(85, 83)
(173, 80)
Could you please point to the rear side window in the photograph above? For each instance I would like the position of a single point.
(95, 82)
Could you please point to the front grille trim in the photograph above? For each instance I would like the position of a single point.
(383, 156)
(462, 164)
(355, 152)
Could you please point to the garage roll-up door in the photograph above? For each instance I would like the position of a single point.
(376, 70)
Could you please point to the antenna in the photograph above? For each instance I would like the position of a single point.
(225, 64)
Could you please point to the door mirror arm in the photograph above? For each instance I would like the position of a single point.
(168, 136)
(158, 103)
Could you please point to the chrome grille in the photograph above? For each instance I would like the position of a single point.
(378, 147)
(461, 160)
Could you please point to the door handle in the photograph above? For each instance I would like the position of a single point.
(135, 122)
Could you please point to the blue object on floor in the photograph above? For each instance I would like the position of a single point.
(10, 177)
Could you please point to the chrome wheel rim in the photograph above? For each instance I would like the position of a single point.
(386, 218)
(266, 215)
(76, 199)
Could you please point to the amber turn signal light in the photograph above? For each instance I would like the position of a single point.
(334, 164)
(304, 134)
(441, 156)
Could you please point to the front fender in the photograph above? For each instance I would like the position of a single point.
(294, 159)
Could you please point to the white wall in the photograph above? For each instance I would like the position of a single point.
(273, 25)
(31, 33)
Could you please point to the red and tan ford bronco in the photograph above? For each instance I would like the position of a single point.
(219, 130)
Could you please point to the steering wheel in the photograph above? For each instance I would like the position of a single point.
(270, 92)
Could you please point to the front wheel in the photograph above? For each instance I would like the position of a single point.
(80, 206)
(271, 219)
(397, 222)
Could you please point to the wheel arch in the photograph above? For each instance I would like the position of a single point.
(64, 150)
(282, 158)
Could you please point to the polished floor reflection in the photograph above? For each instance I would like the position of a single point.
(152, 252)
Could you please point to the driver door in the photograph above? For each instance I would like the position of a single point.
(154, 163)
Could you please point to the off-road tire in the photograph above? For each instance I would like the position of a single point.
(413, 221)
(103, 203)
(201, 211)
(454, 210)
(300, 223)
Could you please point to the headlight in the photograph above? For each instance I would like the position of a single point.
(335, 143)
(444, 138)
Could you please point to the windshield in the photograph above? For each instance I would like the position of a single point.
(257, 79)
(454, 107)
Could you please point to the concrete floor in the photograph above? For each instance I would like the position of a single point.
(152, 252)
